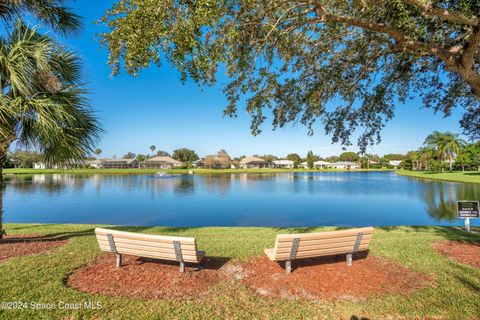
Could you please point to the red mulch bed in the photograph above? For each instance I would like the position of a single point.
(24, 245)
(463, 252)
(329, 278)
(147, 278)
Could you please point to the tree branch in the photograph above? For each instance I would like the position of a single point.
(428, 9)
(470, 49)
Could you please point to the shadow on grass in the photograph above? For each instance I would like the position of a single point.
(354, 317)
(58, 236)
(472, 173)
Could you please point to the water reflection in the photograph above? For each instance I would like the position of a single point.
(441, 198)
(291, 199)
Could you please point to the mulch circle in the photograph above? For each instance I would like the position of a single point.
(147, 278)
(329, 278)
(24, 245)
(463, 252)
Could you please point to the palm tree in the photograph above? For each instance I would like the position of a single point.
(152, 148)
(52, 13)
(447, 145)
(452, 146)
(43, 105)
(98, 151)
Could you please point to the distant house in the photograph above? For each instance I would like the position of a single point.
(64, 165)
(347, 165)
(395, 163)
(118, 163)
(94, 163)
(286, 164)
(253, 163)
(321, 164)
(198, 163)
(303, 165)
(41, 166)
(160, 162)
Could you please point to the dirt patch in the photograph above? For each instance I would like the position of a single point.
(329, 278)
(25, 245)
(149, 278)
(463, 252)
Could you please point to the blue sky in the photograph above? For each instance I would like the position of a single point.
(156, 108)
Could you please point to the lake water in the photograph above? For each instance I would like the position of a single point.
(282, 199)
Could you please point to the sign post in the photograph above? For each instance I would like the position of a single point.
(467, 210)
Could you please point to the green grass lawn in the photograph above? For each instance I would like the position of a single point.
(40, 278)
(179, 171)
(456, 176)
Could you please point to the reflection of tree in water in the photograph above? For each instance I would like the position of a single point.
(441, 198)
(220, 183)
(184, 185)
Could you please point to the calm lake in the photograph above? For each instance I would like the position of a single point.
(282, 199)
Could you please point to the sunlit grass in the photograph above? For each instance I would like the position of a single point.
(456, 176)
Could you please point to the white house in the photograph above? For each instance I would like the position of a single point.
(321, 164)
(395, 163)
(347, 165)
(41, 165)
(94, 163)
(287, 164)
(303, 165)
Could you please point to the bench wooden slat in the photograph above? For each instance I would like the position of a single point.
(120, 241)
(145, 237)
(319, 253)
(302, 248)
(151, 254)
(170, 250)
(281, 245)
(323, 235)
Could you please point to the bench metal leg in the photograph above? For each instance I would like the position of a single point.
(118, 260)
(182, 266)
(288, 266)
(349, 259)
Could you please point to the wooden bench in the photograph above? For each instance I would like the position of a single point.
(290, 247)
(181, 249)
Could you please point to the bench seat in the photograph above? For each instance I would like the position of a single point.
(180, 249)
(290, 247)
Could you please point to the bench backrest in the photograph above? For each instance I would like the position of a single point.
(147, 245)
(307, 245)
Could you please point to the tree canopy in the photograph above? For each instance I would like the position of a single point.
(185, 155)
(345, 64)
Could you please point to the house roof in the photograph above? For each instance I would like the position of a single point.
(321, 162)
(163, 159)
(251, 159)
(286, 162)
(346, 163)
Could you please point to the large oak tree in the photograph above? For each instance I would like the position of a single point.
(344, 63)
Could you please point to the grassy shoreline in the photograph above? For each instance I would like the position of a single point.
(41, 278)
(456, 176)
(178, 171)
